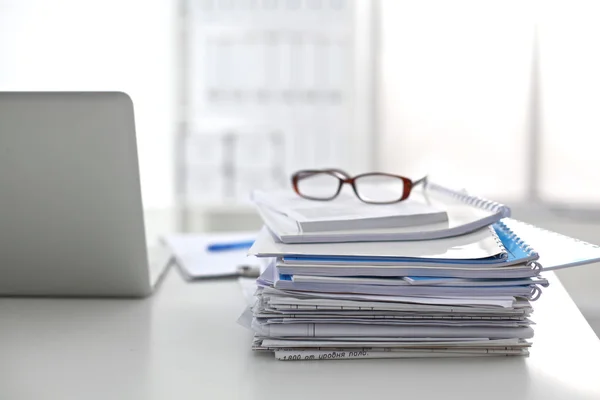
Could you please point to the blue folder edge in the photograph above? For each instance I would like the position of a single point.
(284, 277)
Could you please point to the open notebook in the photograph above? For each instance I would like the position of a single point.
(465, 213)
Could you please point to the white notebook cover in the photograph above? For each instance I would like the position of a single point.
(347, 212)
(482, 243)
(466, 213)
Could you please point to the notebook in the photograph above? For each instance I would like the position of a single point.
(294, 267)
(347, 212)
(530, 291)
(487, 246)
(417, 281)
(465, 213)
(556, 251)
(525, 287)
(531, 250)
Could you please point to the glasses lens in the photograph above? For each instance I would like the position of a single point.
(318, 185)
(379, 188)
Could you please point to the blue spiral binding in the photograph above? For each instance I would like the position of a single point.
(520, 242)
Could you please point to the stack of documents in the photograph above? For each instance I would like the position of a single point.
(465, 295)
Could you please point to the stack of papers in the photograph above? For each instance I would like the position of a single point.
(299, 326)
(467, 295)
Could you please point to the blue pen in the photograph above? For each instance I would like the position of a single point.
(246, 244)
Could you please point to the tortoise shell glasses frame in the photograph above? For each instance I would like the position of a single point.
(343, 177)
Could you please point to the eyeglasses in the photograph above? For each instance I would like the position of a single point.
(372, 187)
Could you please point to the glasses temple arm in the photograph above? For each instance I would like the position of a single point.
(423, 181)
(339, 172)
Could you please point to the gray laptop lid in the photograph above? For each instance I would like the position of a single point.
(71, 216)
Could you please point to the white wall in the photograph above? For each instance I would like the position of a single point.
(454, 85)
(101, 45)
(570, 84)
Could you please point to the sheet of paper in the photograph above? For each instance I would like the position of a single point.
(248, 286)
(406, 314)
(195, 261)
(348, 354)
(397, 322)
(385, 342)
(358, 330)
(365, 302)
(394, 340)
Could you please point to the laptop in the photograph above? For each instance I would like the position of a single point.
(71, 215)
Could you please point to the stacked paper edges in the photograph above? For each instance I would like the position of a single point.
(465, 296)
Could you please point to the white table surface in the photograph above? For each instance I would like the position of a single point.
(184, 343)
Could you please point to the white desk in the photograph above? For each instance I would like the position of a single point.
(184, 343)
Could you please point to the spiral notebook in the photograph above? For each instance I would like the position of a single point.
(495, 246)
(530, 250)
(556, 251)
(465, 213)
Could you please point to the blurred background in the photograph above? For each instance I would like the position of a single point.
(498, 97)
